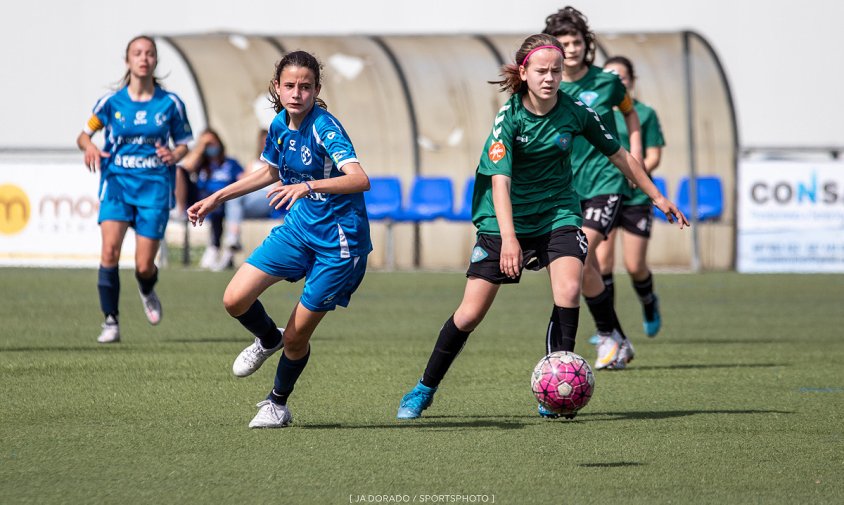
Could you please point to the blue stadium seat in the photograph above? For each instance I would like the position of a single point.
(710, 199)
(465, 211)
(383, 200)
(430, 198)
(662, 186)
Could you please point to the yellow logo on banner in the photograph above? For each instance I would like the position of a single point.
(15, 209)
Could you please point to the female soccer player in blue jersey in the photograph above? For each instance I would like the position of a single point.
(526, 209)
(600, 185)
(324, 238)
(137, 175)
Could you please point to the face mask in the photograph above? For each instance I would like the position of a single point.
(212, 151)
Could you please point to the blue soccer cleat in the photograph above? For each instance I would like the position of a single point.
(652, 326)
(595, 339)
(413, 403)
(547, 414)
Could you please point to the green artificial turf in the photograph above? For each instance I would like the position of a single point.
(740, 399)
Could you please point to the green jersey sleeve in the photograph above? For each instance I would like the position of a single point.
(596, 133)
(497, 156)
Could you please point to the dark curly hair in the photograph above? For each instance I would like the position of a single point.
(570, 21)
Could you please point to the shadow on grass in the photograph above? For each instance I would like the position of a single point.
(613, 464)
(728, 341)
(207, 340)
(244, 339)
(666, 414)
(76, 348)
(433, 422)
(516, 422)
(702, 366)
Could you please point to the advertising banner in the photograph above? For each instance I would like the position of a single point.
(790, 216)
(48, 215)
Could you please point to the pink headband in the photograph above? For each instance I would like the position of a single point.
(535, 49)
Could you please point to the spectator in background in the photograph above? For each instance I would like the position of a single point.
(214, 171)
(600, 185)
(141, 122)
(637, 214)
(254, 205)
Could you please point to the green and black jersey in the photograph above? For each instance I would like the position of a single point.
(535, 151)
(651, 137)
(594, 174)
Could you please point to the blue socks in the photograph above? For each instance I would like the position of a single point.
(259, 323)
(108, 285)
(286, 375)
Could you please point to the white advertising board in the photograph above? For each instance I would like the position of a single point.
(48, 215)
(790, 216)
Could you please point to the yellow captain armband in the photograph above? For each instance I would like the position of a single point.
(626, 104)
(94, 124)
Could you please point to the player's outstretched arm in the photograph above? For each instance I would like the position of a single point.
(631, 168)
(255, 180)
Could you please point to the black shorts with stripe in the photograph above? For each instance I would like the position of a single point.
(637, 219)
(537, 253)
(601, 213)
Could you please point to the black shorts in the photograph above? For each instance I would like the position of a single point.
(601, 213)
(637, 219)
(537, 253)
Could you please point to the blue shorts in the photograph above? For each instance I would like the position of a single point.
(329, 280)
(147, 221)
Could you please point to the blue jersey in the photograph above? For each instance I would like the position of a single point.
(132, 130)
(327, 223)
(215, 177)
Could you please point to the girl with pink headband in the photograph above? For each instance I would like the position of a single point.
(526, 210)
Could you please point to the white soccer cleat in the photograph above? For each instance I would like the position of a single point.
(250, 359)
(626, 353)
(226, 261)
(609, 352)
(209, 257)
(271, 415)
(110, 333)
(152, 307)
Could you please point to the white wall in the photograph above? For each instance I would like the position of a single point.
(58, 57)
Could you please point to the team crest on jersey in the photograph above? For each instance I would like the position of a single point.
(306, 155)
(120, 117)
(160, 118)
(563, 141)
(588, 97)
(140, 117)
(478, 254)
(496, 152)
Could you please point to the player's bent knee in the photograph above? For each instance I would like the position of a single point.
(235, 305)
(295, 344)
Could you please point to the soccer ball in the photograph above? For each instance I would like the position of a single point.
(563, 382)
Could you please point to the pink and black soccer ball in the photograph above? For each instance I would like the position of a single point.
(563, 382)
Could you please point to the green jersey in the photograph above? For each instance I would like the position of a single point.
(594, 174)
(535, 151)
(651, 137)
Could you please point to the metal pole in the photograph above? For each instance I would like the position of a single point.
(690, 132)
